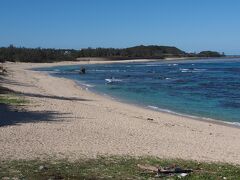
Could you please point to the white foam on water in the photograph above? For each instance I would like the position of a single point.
(152, 65)
(192, 70)
(149, 65)
(99, 70)
(183, 69)
(237, 124)
(56, 70)
(87, 85)
(84, 85)
(234, 123)
(200, 70)
(160, 109)
(153, 107)
(173, 64)
(113, 80)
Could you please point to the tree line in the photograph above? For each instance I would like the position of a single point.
(39, 55)
(136, 52)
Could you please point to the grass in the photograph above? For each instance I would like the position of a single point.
(111, 168)
(12, 99)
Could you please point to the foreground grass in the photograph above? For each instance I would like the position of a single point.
(110, 168)
(12, 99)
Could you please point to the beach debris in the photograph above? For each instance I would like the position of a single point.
(82, 70)
(42, 168)
(166, 171)
(6, 178)
(15, 178)
(150, 119)
(182, 175)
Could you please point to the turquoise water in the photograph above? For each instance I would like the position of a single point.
(204, 88)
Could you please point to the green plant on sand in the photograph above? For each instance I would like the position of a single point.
(12, 99)
(111, 168)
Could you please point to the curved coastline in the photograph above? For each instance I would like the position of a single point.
(154, 108)
(85, 124)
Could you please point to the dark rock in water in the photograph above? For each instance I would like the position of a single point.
(82, 70)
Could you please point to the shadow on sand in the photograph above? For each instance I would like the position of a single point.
(3, 90)
(17, 114)
(53, 97)
(11, 115)
(5, 80)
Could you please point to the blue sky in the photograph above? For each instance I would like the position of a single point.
(191, 25)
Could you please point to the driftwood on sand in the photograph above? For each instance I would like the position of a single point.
(165, 171)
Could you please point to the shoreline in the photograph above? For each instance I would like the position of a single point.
(97, 125)
(157, 109)
(153, 108)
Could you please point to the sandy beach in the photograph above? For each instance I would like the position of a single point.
(63, 120)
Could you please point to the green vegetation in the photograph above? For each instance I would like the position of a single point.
(210, 54)
(12, 99)
(39, 55)
(9, 97)
(111, 168)
(133, 52)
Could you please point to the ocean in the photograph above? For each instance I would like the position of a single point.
(208, 89)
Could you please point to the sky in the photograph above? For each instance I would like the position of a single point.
(191, 25)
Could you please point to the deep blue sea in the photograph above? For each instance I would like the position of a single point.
(203, 88)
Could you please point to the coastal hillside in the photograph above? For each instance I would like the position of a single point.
(142, 51)
(41, 55)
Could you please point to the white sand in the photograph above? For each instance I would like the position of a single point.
(86, 125)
